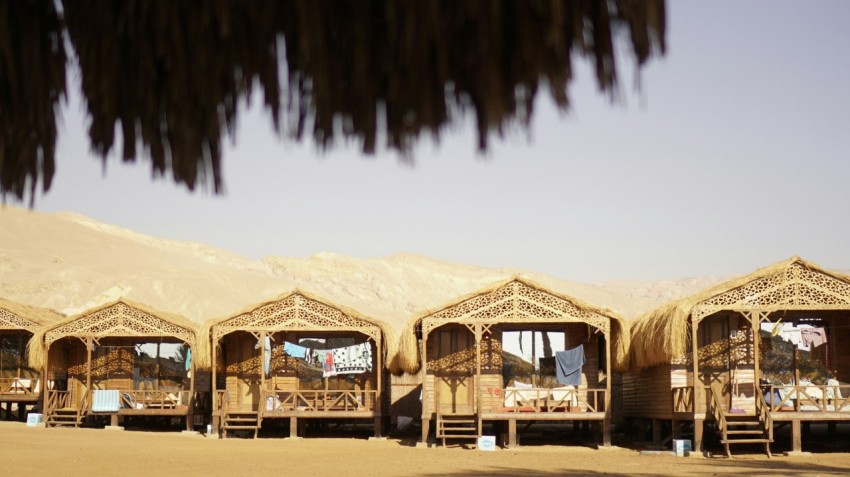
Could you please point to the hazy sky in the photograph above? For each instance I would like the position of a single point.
(735, 154)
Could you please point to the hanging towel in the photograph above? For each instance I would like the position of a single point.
(813, 337)
(354, 359)
(568, 365)
(106, 400)
(267, 355)
(294, 350)
(328, 368)
(188, 359)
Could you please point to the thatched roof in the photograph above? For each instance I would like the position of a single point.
(244, 321)
(164, 324)
(26, 317)
(171, 75)
(663, 334)
(408, 360)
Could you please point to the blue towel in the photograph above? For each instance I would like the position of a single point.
(188, 359)
(294, 350)
(105, 400)
(568, 366)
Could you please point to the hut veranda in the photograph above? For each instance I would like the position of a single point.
(298, 361)
(117, 363)
(514, 353)
(767, 349)
(20, 384)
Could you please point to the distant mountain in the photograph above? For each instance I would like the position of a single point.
(69, 262)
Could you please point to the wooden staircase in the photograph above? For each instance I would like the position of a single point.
(457, 426)
(743, 428)
(241, 421)
(65, 417)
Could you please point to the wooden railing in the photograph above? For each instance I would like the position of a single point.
(155, 399)
(19, 387)
(683, 399)
(718, 410)
(58, 400)
(333, 400)
(818, 398)
(763, 413)
(220, 401)
(552, 400)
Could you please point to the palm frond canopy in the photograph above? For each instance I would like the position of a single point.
(170, 75)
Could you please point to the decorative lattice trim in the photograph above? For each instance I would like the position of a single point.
(515, 302)
(11, 321)
(120, 320)
(797, 287)
(296, 312)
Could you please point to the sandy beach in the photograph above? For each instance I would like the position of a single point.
(39, 451)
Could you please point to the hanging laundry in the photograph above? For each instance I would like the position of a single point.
(813, 337)
(328, 368)
(354, 359)
(294, 350)
(267, 354)
(568, 365)
(309, 356)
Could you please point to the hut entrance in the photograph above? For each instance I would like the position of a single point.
(455, 348)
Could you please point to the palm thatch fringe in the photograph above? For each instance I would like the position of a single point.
(388, 335)
(408, 357)
(664, 334)
(200, 347)
(36, 316)
(171, 75)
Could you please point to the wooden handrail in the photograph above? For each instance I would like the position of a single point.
(718, 410)
(553, 399)
(764, 415)
(683, 399)
(824, 397)
(23, 387)
(309, 400)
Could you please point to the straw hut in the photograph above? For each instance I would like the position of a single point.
(297, 356)
(170, 75)
(493, 357)
(20, 384)
(118, 362)
(764, 347)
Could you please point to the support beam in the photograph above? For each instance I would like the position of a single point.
(656, 432)
(88, 367)
(796, 438)
(606, 425)
(699, 425)
(293, 427)
(216, 419)
(512, 442)
(426, 404)
(478, 377)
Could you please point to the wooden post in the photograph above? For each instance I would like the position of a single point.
(699, 392)
(20, 352)
(190, 417)
(606, 424)
(656, 432)
(380, 395)
(45, 375)
(796, 441)
(699, 424)
(293, 427)
(88, 367)
(262, 340)
(512, 442)
(478, 376)
(426, 412)
(755, 323)
(216, 418)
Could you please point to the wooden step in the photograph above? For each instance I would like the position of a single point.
(747, 431)
(745, 441)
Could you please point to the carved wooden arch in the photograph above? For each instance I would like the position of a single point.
(296, 312)
(797, 287)
(515, 302)
(12, 321)
(120, 320)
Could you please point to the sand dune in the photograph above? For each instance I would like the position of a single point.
(69, 262)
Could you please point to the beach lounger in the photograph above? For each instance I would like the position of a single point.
(106, 400)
